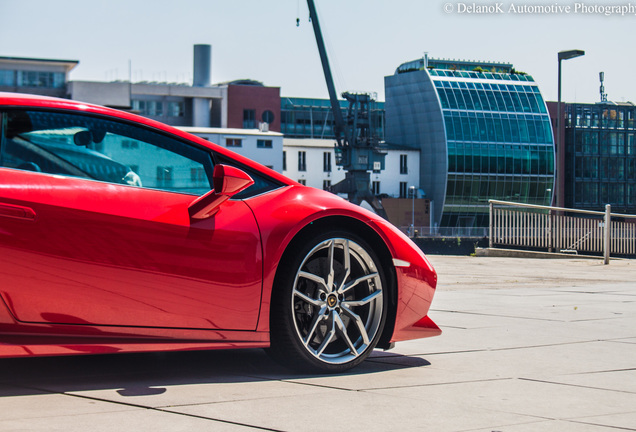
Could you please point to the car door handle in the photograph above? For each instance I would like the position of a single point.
(17, 212)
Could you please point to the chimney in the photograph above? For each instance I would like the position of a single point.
(202, 65)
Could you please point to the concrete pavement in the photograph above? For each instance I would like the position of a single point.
(528, 345)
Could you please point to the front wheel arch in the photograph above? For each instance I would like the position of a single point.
(370, 237)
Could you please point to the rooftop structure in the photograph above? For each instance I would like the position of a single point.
(34, 75)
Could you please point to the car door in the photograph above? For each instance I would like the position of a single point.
(94, 228)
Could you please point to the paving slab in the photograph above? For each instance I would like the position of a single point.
(528, 345)
(52, 406)
(132, 420)
(625, 421)
(360, 411)
(550, 425)
(231, 390)
(619, 380)
(538, 399)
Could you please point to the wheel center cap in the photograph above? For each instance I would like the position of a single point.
(332, 300)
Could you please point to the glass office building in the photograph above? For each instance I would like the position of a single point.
(600, 164)
(313, 118)
(484, 132)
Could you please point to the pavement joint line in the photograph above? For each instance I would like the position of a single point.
(577, 385)
(549, 345)
(601, 425)
(167, 407)
(435, 384)
(511, 348)
(158, 409)
(363, 390)
(454, 352)
(621, 341)
(499, 316)
(597, 319)
(560, 290)
(367, 390)
(309, 384)
(602, 371)
(146, 407)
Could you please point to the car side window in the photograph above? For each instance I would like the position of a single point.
(104, 150)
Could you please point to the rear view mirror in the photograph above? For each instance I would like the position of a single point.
(228, 181)
(83, 138)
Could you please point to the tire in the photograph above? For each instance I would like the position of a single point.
(329, 304)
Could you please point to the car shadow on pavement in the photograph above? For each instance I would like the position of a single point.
(147, 374)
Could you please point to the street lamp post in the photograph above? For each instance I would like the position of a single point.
(560, 175)
(412, 188)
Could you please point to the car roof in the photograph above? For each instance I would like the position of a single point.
(24, 100)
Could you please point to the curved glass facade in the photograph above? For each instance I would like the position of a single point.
(500, 144)
(497, 135)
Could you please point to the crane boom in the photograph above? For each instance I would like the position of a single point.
(333, 98)
(358, 151)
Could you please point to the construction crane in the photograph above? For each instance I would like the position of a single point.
(358, 150)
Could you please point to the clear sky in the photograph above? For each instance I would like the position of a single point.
(366, 39)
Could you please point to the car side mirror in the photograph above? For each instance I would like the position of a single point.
(228, 181)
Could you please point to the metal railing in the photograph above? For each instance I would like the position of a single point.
(426, 231)
(560, 229)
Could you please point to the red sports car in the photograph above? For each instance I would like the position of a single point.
(122, 234)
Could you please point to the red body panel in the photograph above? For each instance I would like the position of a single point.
(94, 267)
(283, 213)
(120, 255)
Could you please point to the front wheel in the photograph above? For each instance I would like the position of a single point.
(329, 304)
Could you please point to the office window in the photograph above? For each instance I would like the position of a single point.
(155, 108)
(148, 107)
(403, 190)
(326, 162)
(375, 187)
(129, 144)
(302, 181)
(326, 185)
(302, 161)
(268, 116)
(233, 142)
(40, 79)
(197, 175)
(139, 106)
(403, 164)
(7, 77)
(284, 161)
(176, 109)
(262, 143)
(249, 119)
(164, 175)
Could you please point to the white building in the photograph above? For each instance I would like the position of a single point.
(312, 162)
(262, 146)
